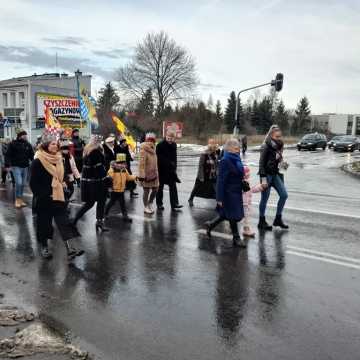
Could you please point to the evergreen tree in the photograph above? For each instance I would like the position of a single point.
(302, 119)
(265, 115)
(255, 118)
(281, 117)
(229, 117)
(146, 104)
(107, 99)
(106, 103)
(218, 113)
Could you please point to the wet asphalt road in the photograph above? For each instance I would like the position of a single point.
(158, 289)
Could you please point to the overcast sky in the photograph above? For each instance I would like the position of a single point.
(235, 43)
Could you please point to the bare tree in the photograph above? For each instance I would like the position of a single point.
(161, 65)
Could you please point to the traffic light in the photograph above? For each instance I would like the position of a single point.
(278, 82)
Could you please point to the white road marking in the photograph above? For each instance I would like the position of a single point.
(312, 211)
(303, 252)
(319, 258)
(323, 254)
(136, 217)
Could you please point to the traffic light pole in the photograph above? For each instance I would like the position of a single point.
(277, 81)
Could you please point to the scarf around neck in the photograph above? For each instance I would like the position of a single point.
(53, 164)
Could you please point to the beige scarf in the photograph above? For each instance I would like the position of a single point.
(53, 164)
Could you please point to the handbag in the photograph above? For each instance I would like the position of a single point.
(245, 186)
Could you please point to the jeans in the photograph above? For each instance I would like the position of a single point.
(20, 175)
(174, 201)
(277, 183)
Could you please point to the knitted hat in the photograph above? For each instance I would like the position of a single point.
(120, 157)
(48, 137)
(110, 139)
(96, 139)
(150, 136)
(21, 133)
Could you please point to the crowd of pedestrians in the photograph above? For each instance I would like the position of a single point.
(102, 170)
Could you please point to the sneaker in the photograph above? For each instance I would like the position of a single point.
(148, 211)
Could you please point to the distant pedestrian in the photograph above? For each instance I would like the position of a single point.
(166, 152)
(247, 201)
(229, 192)
(18, 157)
(77, 148)
(5, 171)
(109, 151)
(94, 187)
(120, 177)
(148, 172)
(244, 145)
(71, 172)
(47, 185)
(123, 148)
(205, 184)
(271, 156)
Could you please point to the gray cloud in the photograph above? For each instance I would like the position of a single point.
(35, 57)
(115, 53)
(66, 40)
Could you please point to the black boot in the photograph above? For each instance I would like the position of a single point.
(46, 253)
(263, 225)
(278, 222)
(72, 253)
(100, 226)
(209, 225)
(127, 219)
(239, 242)
(191, 202)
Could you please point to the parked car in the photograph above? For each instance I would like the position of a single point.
(334, 140)
(347, 143)
(312, 142)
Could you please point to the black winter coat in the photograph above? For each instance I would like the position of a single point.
(109, 156)
(125, 150)
(78, 148)
(167, 162)
(19, 154)
(40, 185)
(270, 158)
(93, 186)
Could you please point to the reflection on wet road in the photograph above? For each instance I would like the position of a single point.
(159, 289)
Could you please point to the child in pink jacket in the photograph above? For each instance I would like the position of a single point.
(247, 202)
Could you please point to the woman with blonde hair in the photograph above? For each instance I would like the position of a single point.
(93, 182)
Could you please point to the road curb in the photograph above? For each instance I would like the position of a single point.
(348, 168)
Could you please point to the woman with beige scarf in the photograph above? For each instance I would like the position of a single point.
(47, 185)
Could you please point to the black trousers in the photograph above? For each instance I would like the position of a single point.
(114, 197)
(100, 209)
(45, 215)
(233, 225)
(174, 200)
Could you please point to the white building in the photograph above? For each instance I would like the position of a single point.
(20, 105)
(340, 124)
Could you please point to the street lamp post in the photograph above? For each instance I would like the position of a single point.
(277, 83)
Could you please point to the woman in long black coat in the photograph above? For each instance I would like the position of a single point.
(229, 191)
(93, 182)
(205, 184)
(47, 185)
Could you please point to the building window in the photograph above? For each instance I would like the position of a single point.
(5, 100)
(12, 99)
(349, 127)
(21, 99)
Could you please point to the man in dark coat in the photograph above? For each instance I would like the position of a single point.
(78, 148)
(18, 157)
(166, 152)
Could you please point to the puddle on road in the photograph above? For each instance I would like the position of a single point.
(36, 338)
